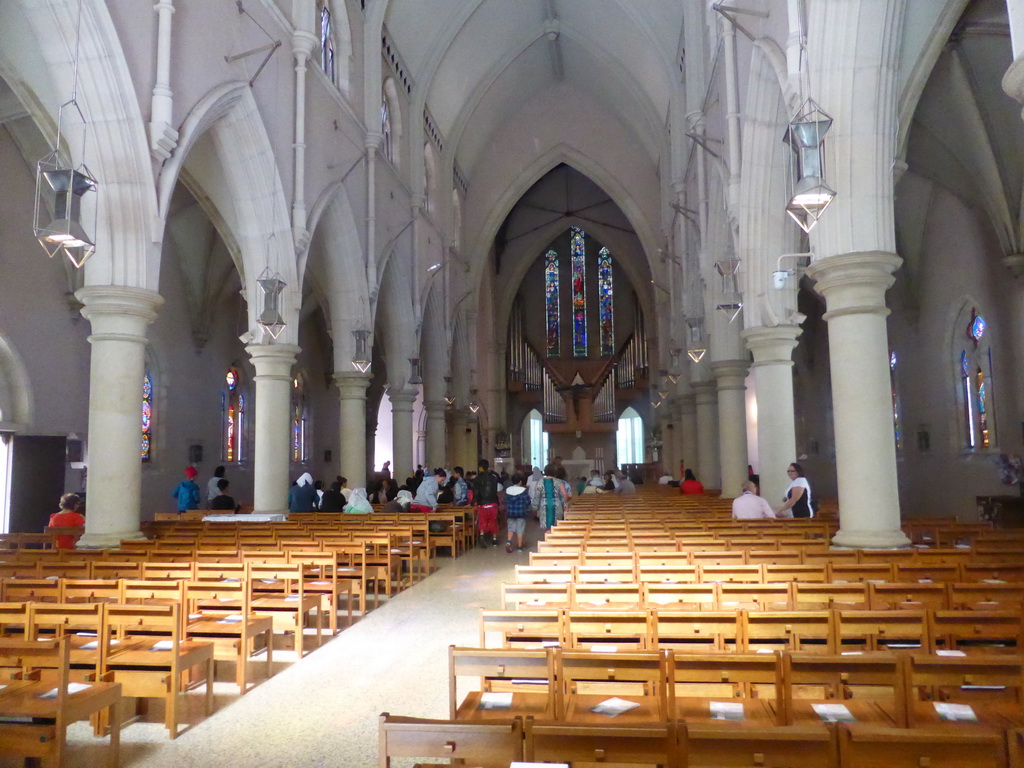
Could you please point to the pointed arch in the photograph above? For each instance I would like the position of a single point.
(16, 405)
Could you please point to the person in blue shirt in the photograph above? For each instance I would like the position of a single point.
(461, 490)
(187, 492)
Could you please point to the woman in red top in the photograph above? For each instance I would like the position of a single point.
(691, 485)
(67, 518)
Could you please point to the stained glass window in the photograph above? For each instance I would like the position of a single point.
(897, 431)
(326, 42)
(551, 302)
(976, 329)
(233, 404)
(298, 422)
(979, 382)
(578, 251)
(147, 417)
(606, 302)
(965, 381)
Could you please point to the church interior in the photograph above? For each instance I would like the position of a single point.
(311, 236)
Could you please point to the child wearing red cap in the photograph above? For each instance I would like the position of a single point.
(187, 492)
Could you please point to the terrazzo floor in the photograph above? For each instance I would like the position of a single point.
(323, 710)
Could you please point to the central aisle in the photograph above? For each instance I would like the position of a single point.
(323, 710)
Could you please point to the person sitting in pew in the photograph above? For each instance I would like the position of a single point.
(222, 501)
(750, 506)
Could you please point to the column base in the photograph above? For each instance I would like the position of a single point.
(107, 540)
(870, 539)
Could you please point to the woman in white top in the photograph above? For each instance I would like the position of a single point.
(798, 494)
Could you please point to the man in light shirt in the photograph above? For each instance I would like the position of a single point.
(750, 506)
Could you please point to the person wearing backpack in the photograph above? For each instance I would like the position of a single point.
(517, 507)
(485, 496)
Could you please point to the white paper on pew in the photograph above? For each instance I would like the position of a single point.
(346, 569)
(90, 646)
(495, 701)
(72, 688)
(85, 634)
(764, 650)
(963, 546)
(614, 706)
(833, 713)
(902, 645)
(727, 710)
(604, 648)
(853, 653)
(520, 764)
(955, 712)
(292, 598)
(195, 615)
(950, 653)
(550, 644)
(529, 681)
(993, 581)
(268, 581)
(52, 578)
(163, 645)
(235, 618)
(229, 581)
(924, 581)
(320, 583)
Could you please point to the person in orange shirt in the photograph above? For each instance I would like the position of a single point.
(67, 517)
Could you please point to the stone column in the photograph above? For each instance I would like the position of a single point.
(402, 431)
(688, 432)
(776, 424)
(707, 468)
(854, 287)
(118, 316)
(352, 456)
(732, 423)
(273, 363)
(436, 429)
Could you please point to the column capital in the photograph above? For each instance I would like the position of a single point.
(705, 393)
(1015, 263)
(303, 43)
(273, 361)
(435, 408)
(730, 374)
(118, 311)
(373, 140)
(401, 399)
(772, 345)
(352, 384)
(855, 283)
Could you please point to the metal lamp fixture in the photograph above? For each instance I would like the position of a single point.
(809, 195)
(361, 356)
(695, 348)
(414, 377)
(449, 398)
(474, 404)
(673, 373)
(271, 285)
(60, 221)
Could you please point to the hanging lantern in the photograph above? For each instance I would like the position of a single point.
(64, 220)
(474, 404)
(361, 356)
(673, 373)
(271, 285)
(449, 398)
(695, 348)
(730, 301)
(809, 195)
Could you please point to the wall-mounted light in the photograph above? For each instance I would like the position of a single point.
(361, 356)
(449, 398)
(474, 404)
(809, 195)
(271, 285)
(414, 377)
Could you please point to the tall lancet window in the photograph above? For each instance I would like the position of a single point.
(147, 417)
(975, 369)
(606, 302)
(326, 42)
(233, 408)
(299, 421)
(551, 302)
(578, 251)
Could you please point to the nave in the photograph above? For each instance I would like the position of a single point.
(323, 711)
